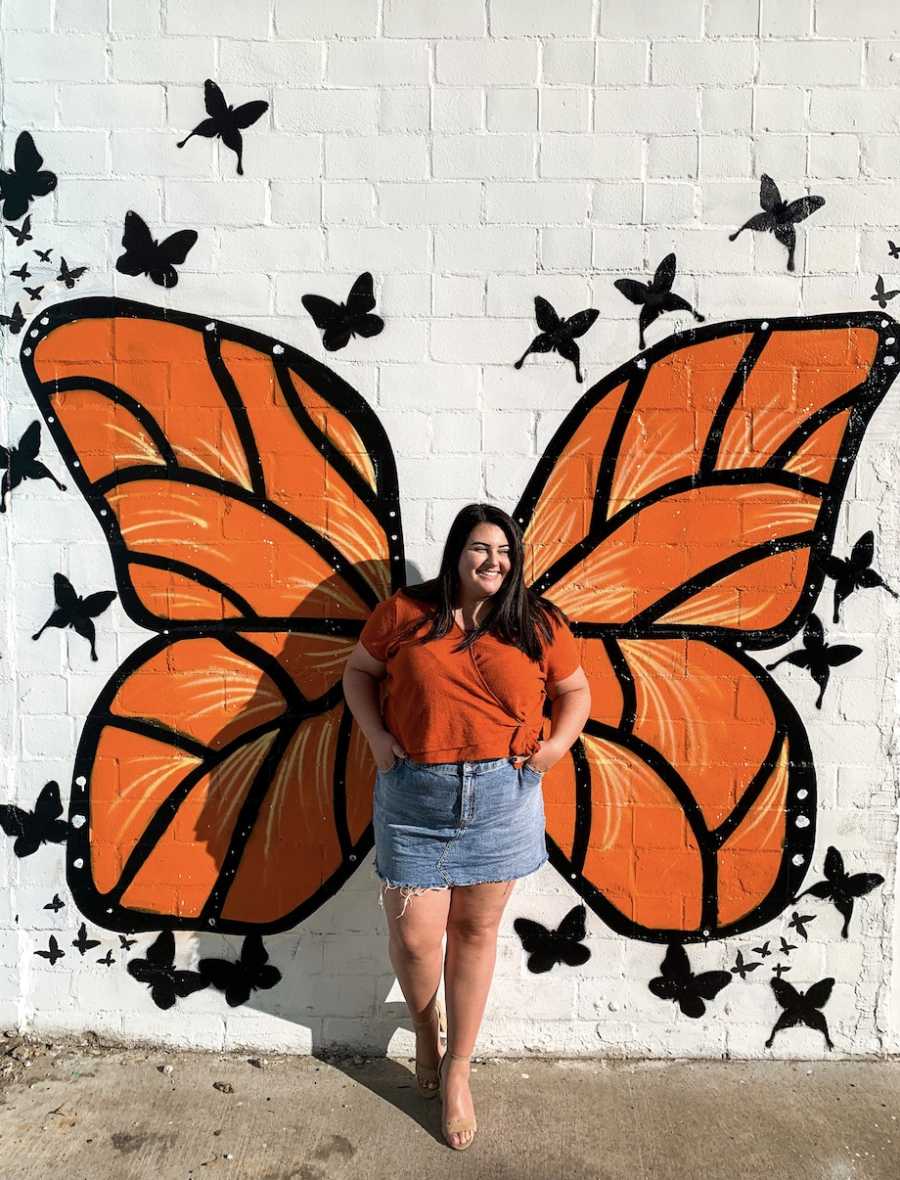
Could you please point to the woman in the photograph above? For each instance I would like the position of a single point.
(469, 658)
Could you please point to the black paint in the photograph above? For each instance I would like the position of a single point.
(855, 572)
(237, 980)
(817, 656)
(679, 983)
(22, 233)
(559, 335)
(339, 321)
(26, 180)
(43, 825)
(801, 1007)
(166, 982)
(841, 888)
(226, 122)
(655, 297)
(779, 217)
(144, 255)
(546, 947)
(76, 612)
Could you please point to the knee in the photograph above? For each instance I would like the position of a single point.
(473, 930)
(416, 945)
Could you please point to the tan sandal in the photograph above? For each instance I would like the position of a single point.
(458, 1125)
(427, 1075)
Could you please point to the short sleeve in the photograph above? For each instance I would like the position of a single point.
(561, 656)
(379, 629)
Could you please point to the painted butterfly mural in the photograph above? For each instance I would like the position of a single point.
(680, 516)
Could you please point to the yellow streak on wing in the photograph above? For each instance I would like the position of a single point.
(177, 764)
(215, 469)
(288, 770)
(360, 541)
(145, 543)
(608, 779)
(332, 591)
(642, 469)
(714, 608)
(548, 494)
(237, 460)
(232, 776)
(803, 465)
(573, 597)
(764, 435)
(145, 451)
(764, 808)
(651, 665)
(163, 520)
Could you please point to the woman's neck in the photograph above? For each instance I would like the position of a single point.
(472, 612)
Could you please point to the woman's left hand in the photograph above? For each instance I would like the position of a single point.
(541, 760)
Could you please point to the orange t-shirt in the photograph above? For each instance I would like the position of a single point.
(446, 706)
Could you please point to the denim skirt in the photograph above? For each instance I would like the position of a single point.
(457, 823)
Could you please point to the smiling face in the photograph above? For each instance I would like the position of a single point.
(484, 562)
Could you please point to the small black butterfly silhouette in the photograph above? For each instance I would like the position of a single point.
(238, 980)
(145, 256)
(26, 181)
(780, 969)
(854, 572)
(35, 293)
(842, 889)
(44, 255)
(53, 953)
(69, 276)
(22, 273)
(801, 1007)
(22, 463)
(818, 657)
(741, 968)
(680, 984)
(546, 947)
(83, 942)
(107, 959)
(126, 943)
(22, 233)
(226, 122)
(15, 322)
(76, 612)
(894, 249)
(763, 951)
(340, 321)
(882, 297)
(40, 826)
(56, 904)
(656, 296)
(799, 922)
(779, 217)
(786, 948)
(158, 970)
(558, 335)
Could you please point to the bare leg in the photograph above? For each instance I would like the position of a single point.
(472, 923)
(416, 927)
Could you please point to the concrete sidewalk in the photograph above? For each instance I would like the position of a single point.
(84, 1112)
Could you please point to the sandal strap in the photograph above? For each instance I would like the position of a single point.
(461, 1124)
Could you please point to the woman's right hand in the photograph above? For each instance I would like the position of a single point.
(385, 750)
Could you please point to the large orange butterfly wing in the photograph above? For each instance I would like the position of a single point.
(249, 498)
(680, 516)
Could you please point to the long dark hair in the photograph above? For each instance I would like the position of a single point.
(516, 614)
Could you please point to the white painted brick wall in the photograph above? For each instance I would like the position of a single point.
(472, 156)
